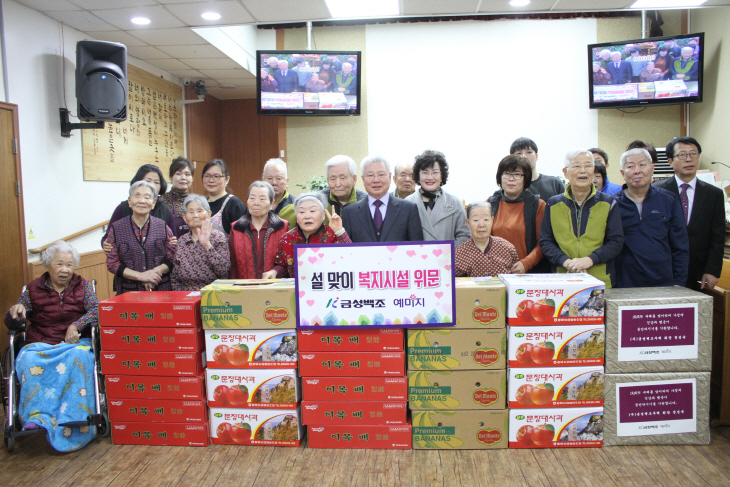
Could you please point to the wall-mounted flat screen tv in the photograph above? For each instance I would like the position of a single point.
(646, 72)
(309, 82)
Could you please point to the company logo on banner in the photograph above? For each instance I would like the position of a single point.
(375, 284)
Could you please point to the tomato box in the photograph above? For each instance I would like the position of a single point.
(251, 349)
(556, 346)
(382, 340)
(260, 427)
(267, 388)
(554, 299)
(354, 412)
(355, 388)
(352, 364)
(152, 363)
(556, 387)
(556, 428)
(157, 411)
(460, 430)
(152, 309)
(457, 389)
(365, 437)
(146, 387)
(431, 349)
(480, 302)
(165, 434)
(256, 304)
(120, 339)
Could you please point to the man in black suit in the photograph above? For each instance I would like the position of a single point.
(380, 217)
(619, 70)
(704, 210)
(288, 80)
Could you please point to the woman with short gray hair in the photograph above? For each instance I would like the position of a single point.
(483, 254)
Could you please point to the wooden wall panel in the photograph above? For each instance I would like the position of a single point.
(203, 133)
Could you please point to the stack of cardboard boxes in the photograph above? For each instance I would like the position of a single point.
(556, 360)
(658, 358)
(457, 376)
(251, 354)
(354, 388)
(151, 356)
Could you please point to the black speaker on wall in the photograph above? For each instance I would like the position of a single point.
(101, 81)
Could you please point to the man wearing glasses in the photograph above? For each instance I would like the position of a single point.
(703, 207)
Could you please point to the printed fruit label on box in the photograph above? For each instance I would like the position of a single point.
(355, 388)
(352, 364)
(554, 299)
(658, 332)
(248, 304)
(456, 349)
(556, 428)
(457, 389)
(556, 387)
(157, 411)
(658, 407)
(382, 340)
(251, 349)
(366, 437)
(165, 434)
(460, 430)
(267, 427)
(152, 339)
(276, 388)
(153, 309)
(152, 363)
(354, 412)
(556, 346)
(145, 387)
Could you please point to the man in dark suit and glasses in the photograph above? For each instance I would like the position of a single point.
(381, 217)
(703, 206)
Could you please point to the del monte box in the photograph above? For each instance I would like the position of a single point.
(255, 304)
(480, 302)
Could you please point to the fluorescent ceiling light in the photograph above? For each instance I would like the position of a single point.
(652, 4)
(362, 8)
(519, 3)
(211, 15)
(140, 20)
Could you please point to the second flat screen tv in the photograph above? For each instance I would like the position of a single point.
(309, 82)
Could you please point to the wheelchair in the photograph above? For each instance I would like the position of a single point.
(10, 386)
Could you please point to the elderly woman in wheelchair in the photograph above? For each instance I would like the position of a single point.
(55, 367)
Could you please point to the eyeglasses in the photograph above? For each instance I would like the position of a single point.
(211, 177)
(512, 175)
(685, 155)
(429, 174)
(581, 166)
(381, 175)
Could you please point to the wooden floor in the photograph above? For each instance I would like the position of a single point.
(34, 462)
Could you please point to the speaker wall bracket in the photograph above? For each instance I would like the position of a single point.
(67, 127)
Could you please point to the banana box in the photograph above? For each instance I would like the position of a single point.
(556, 428)
(260, 427)
(251, 349)
(556, 346)
(255, 304)
(480, 302)
(438, 349)
(460, 430)
(551, 387)
(457, 389)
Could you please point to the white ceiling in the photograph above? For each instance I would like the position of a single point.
(168, 43)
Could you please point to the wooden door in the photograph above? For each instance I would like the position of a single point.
(13, 269)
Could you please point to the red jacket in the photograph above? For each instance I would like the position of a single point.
(51, 316)
(241, 245)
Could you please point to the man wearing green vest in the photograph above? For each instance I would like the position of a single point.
(345, 81)
(685, 67)
(581, 229)
(275, 174)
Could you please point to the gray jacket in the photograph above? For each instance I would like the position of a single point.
(447, 220)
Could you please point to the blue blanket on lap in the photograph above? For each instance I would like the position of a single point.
(57, 386)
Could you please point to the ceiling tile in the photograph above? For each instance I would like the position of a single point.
(146, 52)
(81, 20)
(285, 10)
(186, 73)
(105, 4)
(45, 5)
(428, 7)
(168, 64)
(586, 5)
(121, 17)
(231, 13)
(503, 6)
(213, 63)
(168, 37)
(226, 73)
(202, 51)
(116, 36)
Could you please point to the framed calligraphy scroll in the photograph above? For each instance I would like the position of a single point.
(152, 133)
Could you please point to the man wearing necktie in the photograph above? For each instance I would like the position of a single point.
(288, 80)
(620, 71)
(380, 217)
(703, 208)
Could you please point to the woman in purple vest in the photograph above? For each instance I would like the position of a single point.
(142, 245)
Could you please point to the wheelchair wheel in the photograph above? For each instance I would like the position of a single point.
(9, 440)
(104, 430)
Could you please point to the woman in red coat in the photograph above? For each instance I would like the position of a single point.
(254, 239)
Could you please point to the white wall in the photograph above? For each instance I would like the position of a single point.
(502, 80)
(57, 200)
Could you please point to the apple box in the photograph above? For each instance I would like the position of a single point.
(352, 364)
(265, 388)
(146, 387)
(555, 387)
(365, 437)
(354, 412)
(256, 304)
(382, 340)
(556, 346)
(157, 411)
(457, 389)
(152, 339)
(553, 299)
(430, 349)
(671, 408)
(480, 302)
(260, 427)
(165, 434)
(556, 428)
(152, 363)
(151, 309)
(251, 349)
(355, 388)
(658, 329)
(460, 430)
